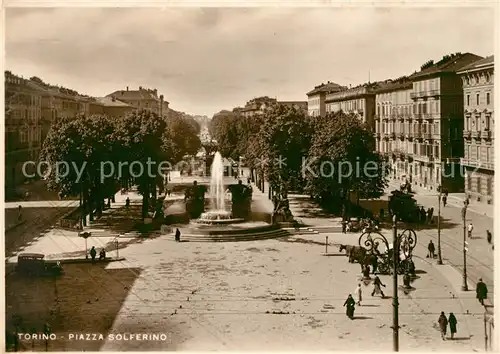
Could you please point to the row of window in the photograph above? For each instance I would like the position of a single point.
(479, 153)
(478, 78)
(396, 97)
(478, 100)
(412, 148)
(427, 85)
(405, 127)
(476, 124)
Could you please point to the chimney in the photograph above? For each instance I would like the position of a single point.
(127, 88)
(122, 93)
(113, 99)
(156, 92)
(161, 97)
(140, 88)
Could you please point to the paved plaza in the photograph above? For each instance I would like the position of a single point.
(279, 294)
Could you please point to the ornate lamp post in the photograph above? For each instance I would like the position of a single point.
(403, 245)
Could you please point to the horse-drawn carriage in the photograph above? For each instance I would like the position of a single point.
(368, 252)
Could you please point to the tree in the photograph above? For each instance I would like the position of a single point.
(342, 158)
(76, 149)
(140, 135)
(181, 137)
(283, 141)
(224, 129)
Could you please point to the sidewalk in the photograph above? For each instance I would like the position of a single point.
(454, 199)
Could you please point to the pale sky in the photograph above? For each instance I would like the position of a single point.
(206, 60)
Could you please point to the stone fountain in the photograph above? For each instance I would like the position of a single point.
(218, 212)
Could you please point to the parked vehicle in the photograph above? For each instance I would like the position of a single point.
(34, 264)
(405, 205)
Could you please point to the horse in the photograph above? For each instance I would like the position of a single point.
(355, 253)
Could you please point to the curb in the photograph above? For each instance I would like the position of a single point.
(10, 228)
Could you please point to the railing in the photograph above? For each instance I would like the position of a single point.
(376, 117)
(478, 164)
(486, 134)
(401, 135)
(417, 135)
(467, 134)
(392, 135)
(476, 134)
(434, 93)
(427, 136)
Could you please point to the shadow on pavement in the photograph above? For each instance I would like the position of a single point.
(362, 318)
(120, 220)
(85, 299)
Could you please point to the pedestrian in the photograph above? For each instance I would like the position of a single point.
(377, 283)
(365, 269)
(93, 253)
(423, 215)
(444, 198)
(432, 214)
(102, 254)
(429, 216)
(481, 291)
(127, 202)
(431, 250)
(350, 306)
(382, 214)
(358, 295)
(443, 324)
(452, 320)
(19, 213)
(177, 235)
(470, 227)
(489, 236)
(344, 226)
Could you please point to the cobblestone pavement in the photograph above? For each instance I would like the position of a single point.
(278, 295)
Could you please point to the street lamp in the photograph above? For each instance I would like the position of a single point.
(440, 259)
(403, 243)
(464, 283)
(85, 235)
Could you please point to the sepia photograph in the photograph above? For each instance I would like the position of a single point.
(249, 178)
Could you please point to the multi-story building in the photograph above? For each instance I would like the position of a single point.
(23, 130)
(437, 123)
(142, 99)
(258, 106)
(359, 101)
(478, 161)
(316, 98)
(394, 125)
(113, 107)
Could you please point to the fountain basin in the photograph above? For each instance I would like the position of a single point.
(217, 217)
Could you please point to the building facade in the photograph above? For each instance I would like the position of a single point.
(359, 101)
(316, 98)
(299, 105)
(479, 126)
(258, 106)
(437, 122)
(142, 98)
(23, 128)
(394, 126)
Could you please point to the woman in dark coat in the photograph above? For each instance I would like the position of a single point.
(443, 324)
(452, 320)
(350, 306)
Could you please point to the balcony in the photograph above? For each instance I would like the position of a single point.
(476, 134)
(409, 136)
(385, 136)
(429, 116)
(434, 93)
(477, 164)
(467, 134)
(417, 135)
(401, 136)
(427, 136)
(392, 135)
(376, 117)
(377, 135)
(486, 134)
(418, 116)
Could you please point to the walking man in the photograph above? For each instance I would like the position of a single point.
(469, 230)
(177, 235)
(93, 253)
(489, 236)
(377, 287)
(431, 250)
(444, 198)
(481, 291)
(443, 324)
(452, 320)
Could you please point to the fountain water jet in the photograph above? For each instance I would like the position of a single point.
(218, 213)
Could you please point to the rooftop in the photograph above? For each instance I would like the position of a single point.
(479, 64)
(110, 102)
(140, 94)
(448, 64)
(402, 83)
(328, 87)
